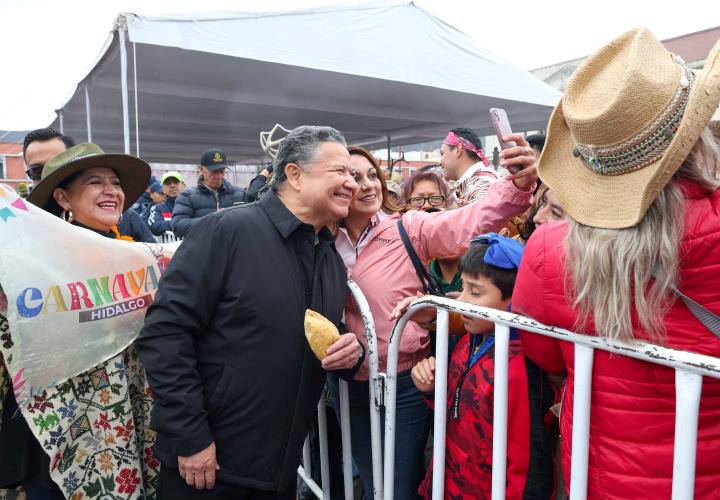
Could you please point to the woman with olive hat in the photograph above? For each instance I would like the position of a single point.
(93, 430)
(632, 160)
(91, 189)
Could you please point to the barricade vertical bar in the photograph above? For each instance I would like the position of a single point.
(322, 438)
(376, 438)
(390, 407)
(500, 406)
(687, 405)
(137, 117)
(346, 441)
(441, 370)
(377, 389)
(124, 89)
(60, 119)
(581, 422)
(307, 459)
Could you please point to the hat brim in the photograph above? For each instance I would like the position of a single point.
(133, 173)
(620, 201)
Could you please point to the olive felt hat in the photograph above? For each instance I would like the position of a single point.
(133, 172)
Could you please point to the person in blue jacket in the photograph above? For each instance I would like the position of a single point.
(160, 214)
(211, 194)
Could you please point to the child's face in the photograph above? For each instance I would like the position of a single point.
(480, 291)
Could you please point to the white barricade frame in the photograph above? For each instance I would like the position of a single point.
(689, 368)
(377, 392)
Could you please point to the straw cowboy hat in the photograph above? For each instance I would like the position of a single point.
(628, 119)
(133, 172)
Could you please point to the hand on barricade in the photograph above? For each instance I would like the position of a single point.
(423, 375)
(521, 162)
(422, 316)
(199, 469)
(343, 354)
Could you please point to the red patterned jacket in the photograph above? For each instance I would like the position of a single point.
(468, 456)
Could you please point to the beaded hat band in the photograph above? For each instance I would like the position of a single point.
(648, 145)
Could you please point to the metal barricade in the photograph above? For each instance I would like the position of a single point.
(168, 237)
(689, 368)
(377, 390)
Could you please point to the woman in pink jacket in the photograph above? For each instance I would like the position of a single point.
(370, 244)
(633, 163)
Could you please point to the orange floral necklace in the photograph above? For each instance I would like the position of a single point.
(114, 229)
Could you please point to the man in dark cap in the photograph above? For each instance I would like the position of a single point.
(211, 194)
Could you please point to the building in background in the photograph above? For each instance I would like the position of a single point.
(12, 166)
(693, 48)
(239, 175)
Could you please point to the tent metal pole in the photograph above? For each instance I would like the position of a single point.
(137, 118)
(389, 157)
(124, 89)
(87, 114)
(59, 114)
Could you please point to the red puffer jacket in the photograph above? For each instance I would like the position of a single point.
(632, 420)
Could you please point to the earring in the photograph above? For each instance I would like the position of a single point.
(67, 216)
(120, 219)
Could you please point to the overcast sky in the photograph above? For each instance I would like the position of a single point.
(47, 46)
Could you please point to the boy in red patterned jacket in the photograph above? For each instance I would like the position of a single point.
(488, 272)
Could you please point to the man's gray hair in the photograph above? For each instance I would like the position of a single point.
(300, 147)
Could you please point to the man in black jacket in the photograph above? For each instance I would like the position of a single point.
(211, 194)
(259, 183)
(235, 383)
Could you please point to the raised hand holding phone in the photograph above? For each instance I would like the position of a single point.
(499, 121)
(516, 155)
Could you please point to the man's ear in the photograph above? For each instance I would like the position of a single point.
(61, 198)
(294, 172)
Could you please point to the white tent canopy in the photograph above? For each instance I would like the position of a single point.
(378, 71)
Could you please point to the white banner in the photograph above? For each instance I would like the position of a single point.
(74, 297)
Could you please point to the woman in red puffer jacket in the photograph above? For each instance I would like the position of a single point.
(636, 169)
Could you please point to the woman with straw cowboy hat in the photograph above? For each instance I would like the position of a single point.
(632, 161)
(108, 449)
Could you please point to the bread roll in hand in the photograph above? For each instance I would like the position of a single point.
(320, 332)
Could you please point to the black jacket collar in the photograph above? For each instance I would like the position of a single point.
(284, 220)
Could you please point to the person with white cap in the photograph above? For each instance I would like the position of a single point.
(632, 161)
(160, 215)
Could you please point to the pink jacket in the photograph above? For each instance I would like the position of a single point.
(385, 274)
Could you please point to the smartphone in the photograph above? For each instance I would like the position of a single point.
(499, 121)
